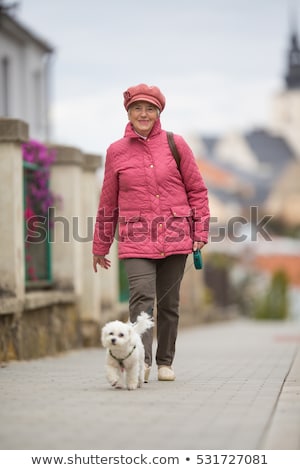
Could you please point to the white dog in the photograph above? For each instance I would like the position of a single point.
(125, 351)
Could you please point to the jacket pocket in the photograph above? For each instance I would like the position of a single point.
(180, 223)
(181, 211)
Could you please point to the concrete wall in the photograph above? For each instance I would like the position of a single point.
(68, 315)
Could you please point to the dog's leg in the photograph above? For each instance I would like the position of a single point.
(141, 373)
(141, 376)
(132, 377)
(120, 383)
(114, 376)
(141, 365)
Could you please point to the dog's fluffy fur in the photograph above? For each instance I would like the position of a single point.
(125, 351)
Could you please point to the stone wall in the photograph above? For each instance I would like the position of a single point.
(40, 331)
(68, 314)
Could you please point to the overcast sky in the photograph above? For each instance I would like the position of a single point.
(218, 62)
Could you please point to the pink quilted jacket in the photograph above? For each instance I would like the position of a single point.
(158, 210)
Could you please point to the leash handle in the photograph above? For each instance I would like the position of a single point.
(198, 263)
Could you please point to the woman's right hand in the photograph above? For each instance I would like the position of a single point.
(102, 261)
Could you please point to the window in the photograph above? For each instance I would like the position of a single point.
(5, 89)
(37, 99)
(36, 239)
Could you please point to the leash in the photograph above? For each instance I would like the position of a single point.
(186, 269)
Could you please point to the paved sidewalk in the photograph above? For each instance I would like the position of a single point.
(237, 387)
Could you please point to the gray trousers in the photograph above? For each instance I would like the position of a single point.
(160, 278)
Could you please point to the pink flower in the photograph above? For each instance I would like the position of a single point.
(40, 197)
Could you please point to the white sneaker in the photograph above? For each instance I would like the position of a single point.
(147, 373)
(166, 373)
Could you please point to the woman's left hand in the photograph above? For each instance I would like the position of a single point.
(198, 246)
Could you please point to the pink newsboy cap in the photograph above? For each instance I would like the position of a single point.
(143, 92)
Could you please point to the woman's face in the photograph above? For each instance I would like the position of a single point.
(142, 116)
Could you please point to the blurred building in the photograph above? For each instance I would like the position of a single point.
(286, 104)
(256, 173)
(284, 199)
(25, 60)
(260, 167)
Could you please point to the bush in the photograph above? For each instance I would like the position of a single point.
(274, 304)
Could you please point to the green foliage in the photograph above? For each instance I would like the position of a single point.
(123, 283)
(273, 305)
(278, 227)
(220, 260)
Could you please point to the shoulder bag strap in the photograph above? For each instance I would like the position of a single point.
(174, 149)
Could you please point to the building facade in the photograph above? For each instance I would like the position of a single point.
(286, 104)
(25, 62)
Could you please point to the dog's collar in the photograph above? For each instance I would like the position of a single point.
(121, 361)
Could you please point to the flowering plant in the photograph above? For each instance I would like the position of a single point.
(38, 196)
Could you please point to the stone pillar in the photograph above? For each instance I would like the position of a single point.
(108, 280)
(91, 282)
(66, 184)
(12, 266)
(111, 309)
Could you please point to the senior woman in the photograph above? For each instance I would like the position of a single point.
(162, 214)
